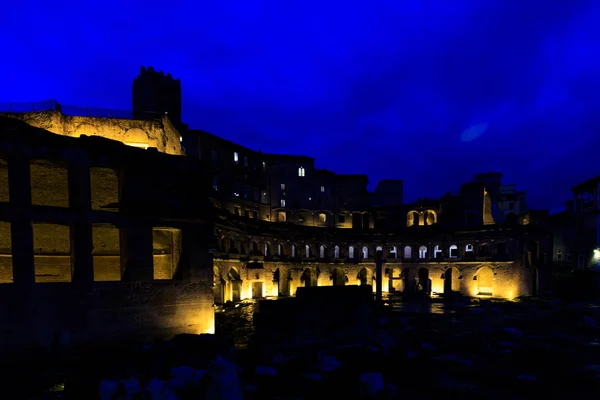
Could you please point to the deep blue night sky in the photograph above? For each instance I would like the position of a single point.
(385, 88)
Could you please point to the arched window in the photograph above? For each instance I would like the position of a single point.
(266, 250)
(437, 252)
(453, 251)
(336, 252)
(293, 250)
(422, 252)
(322, 252)
(469, 249)
(407, 252)
(393, 252)
(322, 218)
(351, 252)
(279, 249)
(301, 171)
(365, 252)
(307, 249)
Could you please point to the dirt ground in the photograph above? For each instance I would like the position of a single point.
(471, 349)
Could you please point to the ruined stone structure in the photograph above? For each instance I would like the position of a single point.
(157, 133)
(141, 238)
(99, 240)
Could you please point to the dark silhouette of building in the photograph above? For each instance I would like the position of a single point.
(156, 94)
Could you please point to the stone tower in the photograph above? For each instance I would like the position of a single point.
(155, 94)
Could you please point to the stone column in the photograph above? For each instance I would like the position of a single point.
(378, 275)
(82, 262)
(21, 230)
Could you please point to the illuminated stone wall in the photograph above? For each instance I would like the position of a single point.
(160, 133)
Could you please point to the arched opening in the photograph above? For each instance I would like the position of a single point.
(279, 249)
(423, 252)
(351, 252)
(281, 216)
(437, 252)
(235, 281)
(485, 281)
(407, 252)
(430, 217)
(453, 251)
(218, 288)
(254, 249)
(469, 250)
(293, 251)
(365, 252)
(322, 252)
(322, 218)
(281, 280)
(451, 281)
(365, 277)
(412, 218)
(336, 252)
(338, 276)
(307, 251)
(424, 283)
(393, 252)
(484, 250)
(308, 278)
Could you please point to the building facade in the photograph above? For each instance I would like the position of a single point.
(100, 240)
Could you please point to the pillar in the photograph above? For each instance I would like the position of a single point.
(82, 263)
(21, 230)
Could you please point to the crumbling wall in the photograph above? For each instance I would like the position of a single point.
(151, 133)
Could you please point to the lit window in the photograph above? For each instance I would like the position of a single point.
(282, 203)
(235, 157)
(180, 139)
(301, 171)
(264, 164)
(322, 189)
(283, 186)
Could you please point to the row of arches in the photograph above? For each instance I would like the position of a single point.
(423, 252)
(229, 285)
(421, 217)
